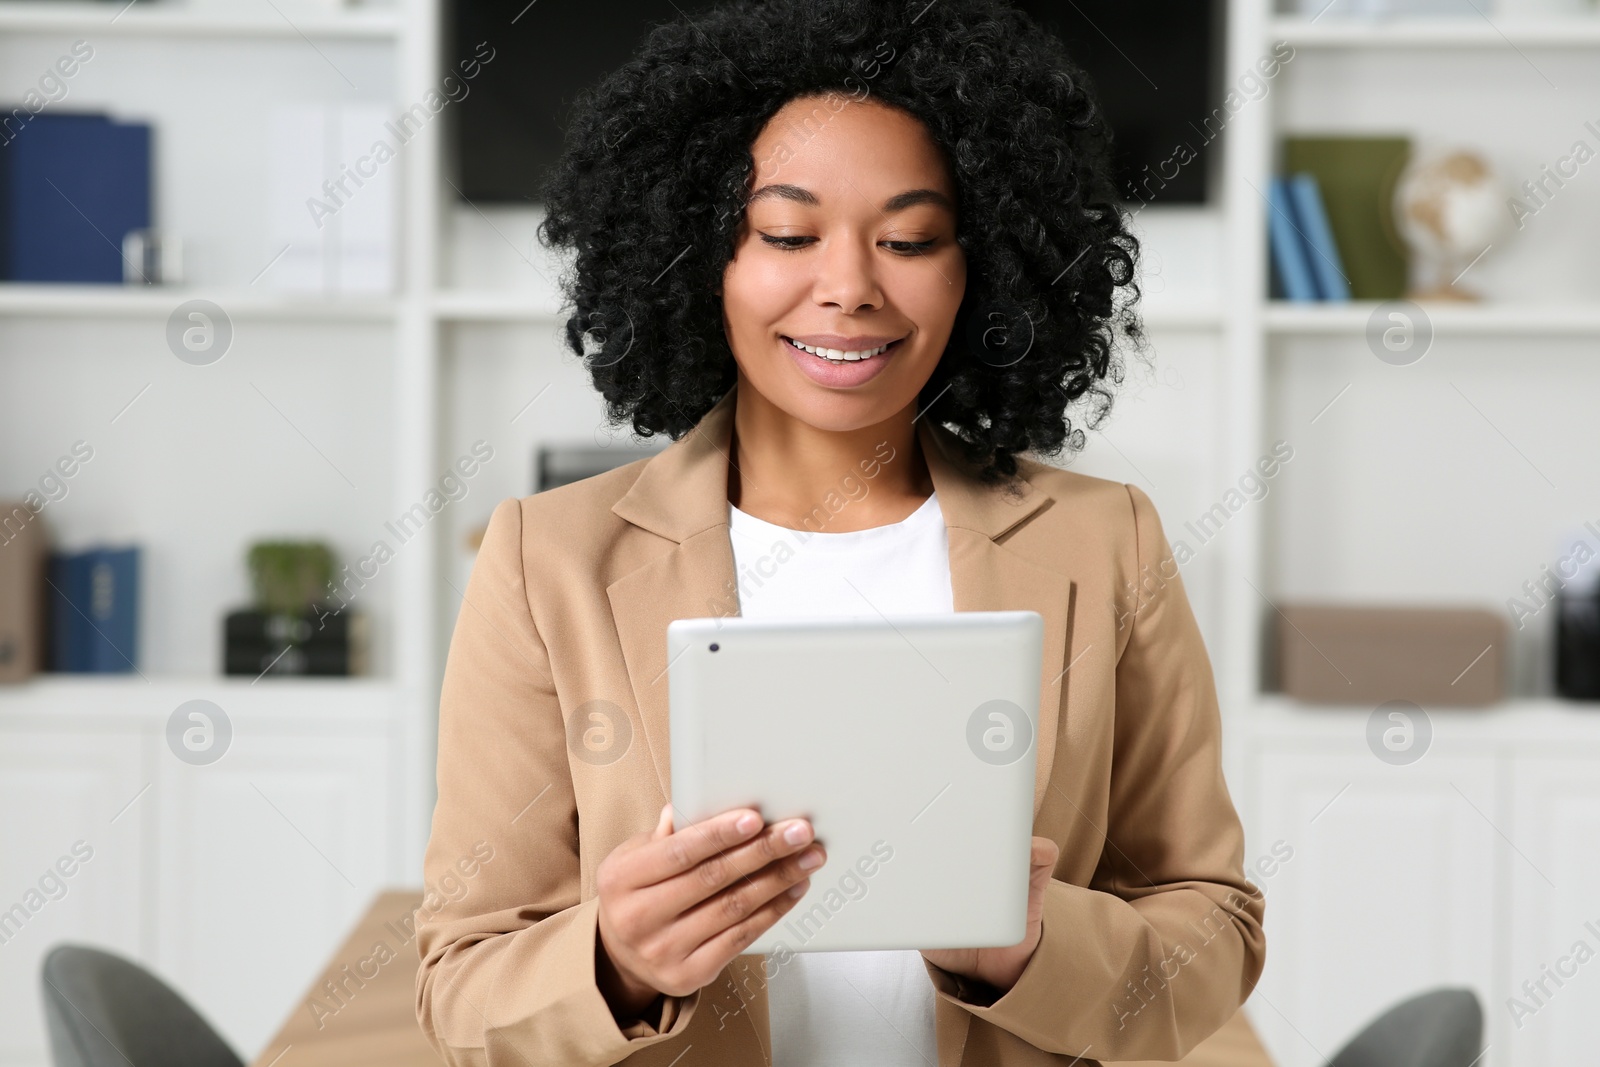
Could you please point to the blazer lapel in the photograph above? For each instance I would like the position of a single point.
(682, 497)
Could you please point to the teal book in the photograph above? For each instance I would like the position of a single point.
(1326, 267)
(1289, 249)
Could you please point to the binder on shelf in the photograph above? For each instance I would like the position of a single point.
(1289, 249)
(333, 198)
(72, 185)
(113, 609)
(94, 610)
(1327, 270)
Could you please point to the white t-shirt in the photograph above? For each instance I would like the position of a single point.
(845, 1009)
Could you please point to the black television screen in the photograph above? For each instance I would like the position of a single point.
(1152, 62)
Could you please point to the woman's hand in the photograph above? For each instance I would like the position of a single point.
(1001, 967)
(675, 908)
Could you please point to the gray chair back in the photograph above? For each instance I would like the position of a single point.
(1438, 1028)
(104, 1011)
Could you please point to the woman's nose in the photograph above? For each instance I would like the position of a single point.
(847, 276)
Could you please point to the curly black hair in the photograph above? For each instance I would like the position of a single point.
(651, 186)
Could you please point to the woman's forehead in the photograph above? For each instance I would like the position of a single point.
(810, 154)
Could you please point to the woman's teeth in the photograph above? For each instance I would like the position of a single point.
(837, 356)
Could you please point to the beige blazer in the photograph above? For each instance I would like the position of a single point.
(1152, 934)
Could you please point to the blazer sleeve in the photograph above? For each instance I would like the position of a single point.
(507, 974)
(1166, 942)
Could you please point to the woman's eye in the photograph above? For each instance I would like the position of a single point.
(794, 244)
(784, 242)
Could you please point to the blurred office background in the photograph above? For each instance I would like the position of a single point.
(244, 355)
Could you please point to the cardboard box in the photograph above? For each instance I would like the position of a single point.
(1367, 654)
(23, 547)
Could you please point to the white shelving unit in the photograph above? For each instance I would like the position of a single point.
(318, 422)
(339, 413)
(1440, 482)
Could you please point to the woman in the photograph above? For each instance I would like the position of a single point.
(854, 259)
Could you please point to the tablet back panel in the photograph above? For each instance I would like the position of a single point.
(908, 741)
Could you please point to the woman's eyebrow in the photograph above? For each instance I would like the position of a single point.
(898, 202)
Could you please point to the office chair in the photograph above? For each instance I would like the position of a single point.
(1437, 1028)
(105, 1011)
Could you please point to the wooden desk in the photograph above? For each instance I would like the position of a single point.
(372, 1021)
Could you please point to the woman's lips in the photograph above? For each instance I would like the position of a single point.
(843, 373)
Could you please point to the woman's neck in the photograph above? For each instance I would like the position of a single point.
(799, 476)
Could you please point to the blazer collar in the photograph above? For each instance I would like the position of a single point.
(683, 490)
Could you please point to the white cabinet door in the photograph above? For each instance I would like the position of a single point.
(1549, 1010)
(1391, 889)
(266, 858)
(71, 852)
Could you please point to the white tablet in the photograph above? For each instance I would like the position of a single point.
(908, 741)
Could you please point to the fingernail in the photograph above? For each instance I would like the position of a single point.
(795, 834)
(747, 823)
(810, 860)
(798, 889)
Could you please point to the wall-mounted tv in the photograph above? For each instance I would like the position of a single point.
(1154, 63)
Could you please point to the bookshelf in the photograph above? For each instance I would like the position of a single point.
(319, 421)
(1448, 481)
(393, 388)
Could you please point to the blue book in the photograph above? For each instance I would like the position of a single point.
(73, 186)
(1289, 250)
(69, 596)
(113, 610)
(1326, 267)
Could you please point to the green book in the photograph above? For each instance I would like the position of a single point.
(1358, 176)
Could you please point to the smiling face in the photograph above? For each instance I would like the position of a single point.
(848, 244)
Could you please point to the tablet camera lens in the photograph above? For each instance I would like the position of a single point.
(715, 646)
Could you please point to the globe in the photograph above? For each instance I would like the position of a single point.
(1450, 209)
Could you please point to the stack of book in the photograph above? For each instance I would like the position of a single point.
(315, 641)
(1331, 219)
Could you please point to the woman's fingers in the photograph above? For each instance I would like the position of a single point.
(1044, 854)
(742, 900)
(733, 938)
(1042, 863)
(723, 886)
(667, 853)
(729, 869)
(712, 871)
